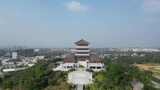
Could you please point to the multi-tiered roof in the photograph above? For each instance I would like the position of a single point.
(93, 58)
(82, 42)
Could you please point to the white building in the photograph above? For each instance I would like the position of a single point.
(21, 63)
(14, 55)
(145, 50)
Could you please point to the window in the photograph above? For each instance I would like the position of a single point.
(98, 67)
(92, 67)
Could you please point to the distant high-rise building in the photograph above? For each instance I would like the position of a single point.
(36, 50)
(14, 55)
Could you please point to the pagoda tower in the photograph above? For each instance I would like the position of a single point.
(82, 51)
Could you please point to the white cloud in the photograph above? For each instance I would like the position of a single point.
(76, 6)
(152, 6)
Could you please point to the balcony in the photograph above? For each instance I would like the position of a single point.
(82, 51)
(82, 54)
(82, 47)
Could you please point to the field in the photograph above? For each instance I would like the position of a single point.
(155, 69)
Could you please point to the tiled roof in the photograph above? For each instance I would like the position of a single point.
(95, 59)
(92, 59)
(82, 42)
(69, 58)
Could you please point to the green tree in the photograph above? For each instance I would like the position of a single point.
(36, 78)
(120, 77)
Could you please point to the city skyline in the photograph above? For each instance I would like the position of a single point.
(58, 23)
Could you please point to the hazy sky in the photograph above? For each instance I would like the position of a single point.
(58, 23)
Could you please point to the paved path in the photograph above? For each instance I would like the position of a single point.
(137, 85)
(79, 87)
(80, 78)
